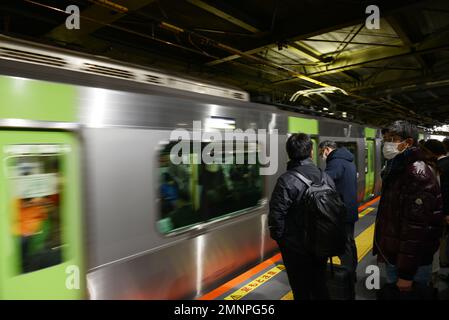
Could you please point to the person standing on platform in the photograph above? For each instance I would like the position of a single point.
(410, 216)
(306, 272)
(341, 168)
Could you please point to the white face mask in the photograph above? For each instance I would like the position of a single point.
(390, 150)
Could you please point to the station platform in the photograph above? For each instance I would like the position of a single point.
(268, 280)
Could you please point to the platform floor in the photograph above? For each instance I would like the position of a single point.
(268, 280)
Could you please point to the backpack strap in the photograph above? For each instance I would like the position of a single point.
(306, 181)
(323, 177)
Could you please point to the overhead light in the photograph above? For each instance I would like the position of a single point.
(318, 91)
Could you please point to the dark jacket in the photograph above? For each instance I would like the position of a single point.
(283, 218)
(341, 168)
(443, 168)
(409, 220)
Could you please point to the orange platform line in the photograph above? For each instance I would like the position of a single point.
(241, 278)
(369, 203)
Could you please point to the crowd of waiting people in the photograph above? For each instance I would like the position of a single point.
(412, 214)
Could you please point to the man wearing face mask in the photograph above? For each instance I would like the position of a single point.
(409, 219)
(341, 168)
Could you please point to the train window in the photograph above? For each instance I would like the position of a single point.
(36, 188)
(198, 192)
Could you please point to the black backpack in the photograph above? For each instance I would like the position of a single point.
(323, 218)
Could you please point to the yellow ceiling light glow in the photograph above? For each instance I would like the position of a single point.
(306, 78)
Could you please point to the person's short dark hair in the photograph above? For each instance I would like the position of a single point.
(446, 144)
(299, 146)
(328, 144)
(404, 129)
(436, 147)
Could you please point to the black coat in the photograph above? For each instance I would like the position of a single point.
(341, 168)
(284, 209)
(443, 167)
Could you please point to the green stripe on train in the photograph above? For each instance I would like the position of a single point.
(37, 100)
(370, 133)
(296, 125)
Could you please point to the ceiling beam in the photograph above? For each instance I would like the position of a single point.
(403, 35)
(236, 56)
(311, 28)
(352, 60)
(221, 14)
(299, 49)
(304, 51)
(97, 16)
(405, 85)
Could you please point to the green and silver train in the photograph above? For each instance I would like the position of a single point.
(92, 208)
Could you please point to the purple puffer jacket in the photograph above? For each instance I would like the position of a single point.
(409, 221)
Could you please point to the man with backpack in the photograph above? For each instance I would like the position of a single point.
(306, 219)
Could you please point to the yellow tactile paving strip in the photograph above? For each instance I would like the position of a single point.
(240, 293)
(364, 243)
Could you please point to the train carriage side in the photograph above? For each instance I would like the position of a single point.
(136, 236)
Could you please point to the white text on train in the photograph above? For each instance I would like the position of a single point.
(257, 145)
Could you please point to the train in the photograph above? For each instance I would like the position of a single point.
(91, 205)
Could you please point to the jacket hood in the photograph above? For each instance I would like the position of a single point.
(341, 153)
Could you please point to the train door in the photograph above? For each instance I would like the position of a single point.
(40, 222)
(369, 168)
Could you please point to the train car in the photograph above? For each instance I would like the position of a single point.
(93, 208)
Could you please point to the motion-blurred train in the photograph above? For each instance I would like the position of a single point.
(91, 205)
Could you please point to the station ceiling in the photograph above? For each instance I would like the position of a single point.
(270, 48)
